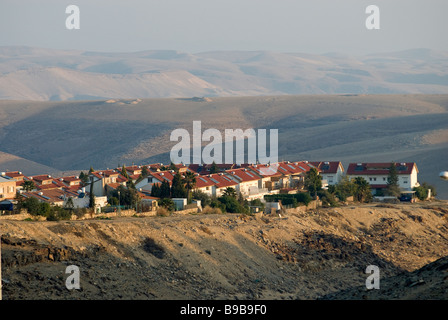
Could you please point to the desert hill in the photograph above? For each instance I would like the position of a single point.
(305, 255)
(28, 73)
(74, 135)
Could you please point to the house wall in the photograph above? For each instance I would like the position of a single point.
(207, 190)
(245, 187)
(7, 189)
(333, 178)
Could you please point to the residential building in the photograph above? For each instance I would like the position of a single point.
(103, 178)
(331, 171)
(248, 181)
(376, 174)
(205, 184)
(293, 173)
(7, 188)
(271, 178)
(16, 176)
(59, 197)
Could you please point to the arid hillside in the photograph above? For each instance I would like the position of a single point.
(305, 255)
(40, 74)
(52, 137)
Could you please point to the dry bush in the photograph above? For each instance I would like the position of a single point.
(206, 230)
(163, 212)
(209, 210)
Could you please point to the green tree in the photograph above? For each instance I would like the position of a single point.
(344, 189)
(127, 196)
(84, 179)
(215, 203)
(421, 192)
(177, 187)
(167, 203)
(155, 190)
(213, 168)
(69, 205)
(362, 190)
(32, 205)
(113, 201)
(327, 198)
(124, 172)
(165, 189)
(143, 175)
(202, 196)
(190, 182)
(430, 187)
(173, 167)
(91, 194)
(230, 192)
(28, 185)
(231, 204)
(313, 182)
(393, 189)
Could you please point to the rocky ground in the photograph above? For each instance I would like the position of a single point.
(314, 255)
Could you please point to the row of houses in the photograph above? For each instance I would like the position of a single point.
(251, 180)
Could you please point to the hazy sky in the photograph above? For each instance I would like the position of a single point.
(318, 26)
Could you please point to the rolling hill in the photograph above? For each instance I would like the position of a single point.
(108, 133)
(28, 73)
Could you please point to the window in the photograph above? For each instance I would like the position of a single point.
(370, 179)
(384, 179)
(374, 179)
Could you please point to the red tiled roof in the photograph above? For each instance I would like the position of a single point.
(42, 177)
(327, 166)
(380, 168)
(53, 195)
(203, 181)
(296, 167)
(113, 185)
(243, 174)
(265, 170)
(163, 175)
(222, 180)
(16, 175)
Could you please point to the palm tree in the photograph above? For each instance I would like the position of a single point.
(190, 182)
(230, 192)
(362, 189)
(28, 185)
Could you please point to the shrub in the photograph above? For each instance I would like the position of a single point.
(166, 203)
(210, 210)
(163, 212)
(327, 198)
(290, 199)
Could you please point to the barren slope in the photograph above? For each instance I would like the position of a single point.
(295, 256)
(350, 128)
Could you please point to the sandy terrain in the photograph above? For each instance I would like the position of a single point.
(312, 255)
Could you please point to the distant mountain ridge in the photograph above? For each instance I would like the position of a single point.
(40, 74)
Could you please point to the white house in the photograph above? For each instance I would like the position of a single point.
(331, 171)
(103, 178)
(248, 181)
(376, 174)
